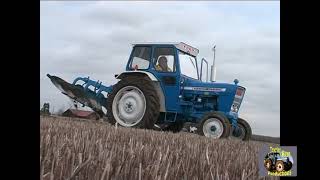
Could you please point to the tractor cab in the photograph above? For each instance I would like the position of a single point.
(174, 58)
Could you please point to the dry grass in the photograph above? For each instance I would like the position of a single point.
(96, 151)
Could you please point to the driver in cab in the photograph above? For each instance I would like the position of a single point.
(163, 65)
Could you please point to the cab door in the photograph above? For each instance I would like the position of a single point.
(169, 78)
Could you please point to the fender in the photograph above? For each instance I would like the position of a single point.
(150, 75)
(156, 85)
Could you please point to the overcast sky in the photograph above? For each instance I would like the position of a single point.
(94, 39)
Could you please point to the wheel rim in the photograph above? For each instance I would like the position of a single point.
(279, 167)
(268, 164)
(129, 106)
(213, 128)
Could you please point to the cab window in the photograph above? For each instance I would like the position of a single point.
(164, 60)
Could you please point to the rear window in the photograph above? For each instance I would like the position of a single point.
(141, 58)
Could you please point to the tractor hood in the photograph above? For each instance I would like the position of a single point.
(212, 88)
(227, 94)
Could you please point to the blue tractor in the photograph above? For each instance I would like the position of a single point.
(162, 88)
(273, 161)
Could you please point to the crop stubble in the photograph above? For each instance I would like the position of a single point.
(72, 149)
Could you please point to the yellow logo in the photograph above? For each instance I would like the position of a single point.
(278, 162)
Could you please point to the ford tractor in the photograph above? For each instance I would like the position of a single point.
(164, 86)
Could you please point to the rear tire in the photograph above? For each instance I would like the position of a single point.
(214, 125)
(268, 164)
(143, 107)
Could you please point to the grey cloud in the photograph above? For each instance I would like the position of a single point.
(116, 16)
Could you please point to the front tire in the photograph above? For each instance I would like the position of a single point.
(288, 166)
(280, 166)
(245, 129)
(133, 102)
(214, 125)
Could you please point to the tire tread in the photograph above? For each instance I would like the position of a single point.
(152, 100)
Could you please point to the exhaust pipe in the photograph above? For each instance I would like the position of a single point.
(213, 74)
(213, 67)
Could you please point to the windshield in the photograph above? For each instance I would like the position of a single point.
(188, 65)
(277, 155)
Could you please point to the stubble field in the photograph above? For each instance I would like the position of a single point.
(83, 150)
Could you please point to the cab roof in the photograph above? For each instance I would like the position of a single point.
(179, 45)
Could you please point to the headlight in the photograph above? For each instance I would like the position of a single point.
(234, 108)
